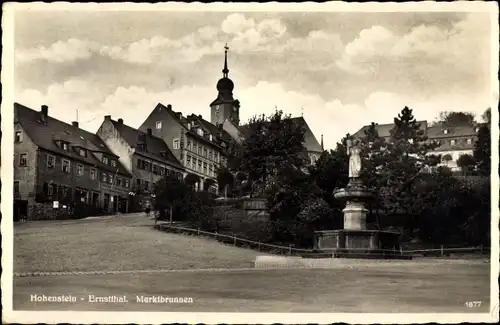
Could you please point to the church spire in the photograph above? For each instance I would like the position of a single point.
(225, 71)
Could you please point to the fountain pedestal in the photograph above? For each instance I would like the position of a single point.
(355, 240)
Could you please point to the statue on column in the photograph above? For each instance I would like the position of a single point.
(354, 153)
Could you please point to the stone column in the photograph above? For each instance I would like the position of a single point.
(355, 215)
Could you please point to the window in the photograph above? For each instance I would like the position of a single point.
(79, 169)
(176, 144)
(110, 179)
(162, 171)
(138, 181)
(189, 145)
(127, 183)
(51, 161)
(205, 152)
(147, 167)
(104, 177)
(199, 165)
(93, 173)
(146, 184)
(452, 142)
(48, 189)
(158, 125)
(154, 168)
(194, 163)
(210, 156)
(199, 149)
(445, 131)
(477, 129)
(211, 137)
(65, 167)
(217, 157)
(188, 161)
(200, 132)
(83, 152)
(65, 146)
(113, 163)
(105, 160)
(204, 167)
(18, 138)
(469, 141)
(16, 187)
(23, 160)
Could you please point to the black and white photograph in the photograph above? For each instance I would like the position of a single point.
(250, 162)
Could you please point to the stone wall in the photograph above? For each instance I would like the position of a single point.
(45, 211)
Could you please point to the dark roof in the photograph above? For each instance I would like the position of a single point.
(384, 130)
(437, 131)
(44, 136)
(157, 149)
(310, 141)
(215, 130)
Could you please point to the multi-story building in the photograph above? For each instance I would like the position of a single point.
(146, 157)
(199, 145)
(453, 141)
(55, 161)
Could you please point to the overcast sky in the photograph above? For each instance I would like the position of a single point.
(341, 70)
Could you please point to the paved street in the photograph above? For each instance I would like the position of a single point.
(130, 244)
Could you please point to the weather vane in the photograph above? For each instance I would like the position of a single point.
(226, 47)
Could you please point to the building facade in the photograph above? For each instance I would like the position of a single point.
(56, 164)
(453, 141)
(146, 157)
(196, 143)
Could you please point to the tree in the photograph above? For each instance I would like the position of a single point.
(486, 116)
(271, 144)
(225, 179)
(394, 165)
(171, 195)
(482, 150)
(466, 162)
(447, 158)
(456, 118)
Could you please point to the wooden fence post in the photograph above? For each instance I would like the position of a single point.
(198, 231)
(259, 247)
(401, 250)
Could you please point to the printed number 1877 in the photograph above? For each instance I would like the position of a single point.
(473, 304)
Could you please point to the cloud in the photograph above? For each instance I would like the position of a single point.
(60, 52)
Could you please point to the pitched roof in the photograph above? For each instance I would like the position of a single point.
(384, 130)
(44, 136)
(310, 141)
(432, 132)
(157, 149)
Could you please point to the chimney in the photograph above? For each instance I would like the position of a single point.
(169, 107)
(75, 124)
(178, 115)
(150, 132)
(107, 117)
(120, 121)
(45, 113)
(200, 116)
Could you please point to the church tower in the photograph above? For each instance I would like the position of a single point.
(225, 107)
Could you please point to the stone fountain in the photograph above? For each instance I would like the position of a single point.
(355, 240)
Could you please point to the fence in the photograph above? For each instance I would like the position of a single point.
(290, 250)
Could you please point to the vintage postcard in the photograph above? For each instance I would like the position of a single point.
(250, 163)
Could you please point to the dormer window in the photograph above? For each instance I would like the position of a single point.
(176, 144)
(452, 142)
(469, 141)
(83, 152)
(18, 137)
(445, 131)
(65, 146)
(113, 163)
(158, 125)
(200, 132)
(477, 129)
(105, 160)
(189, 125)
(211, 137)
(141, 147)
